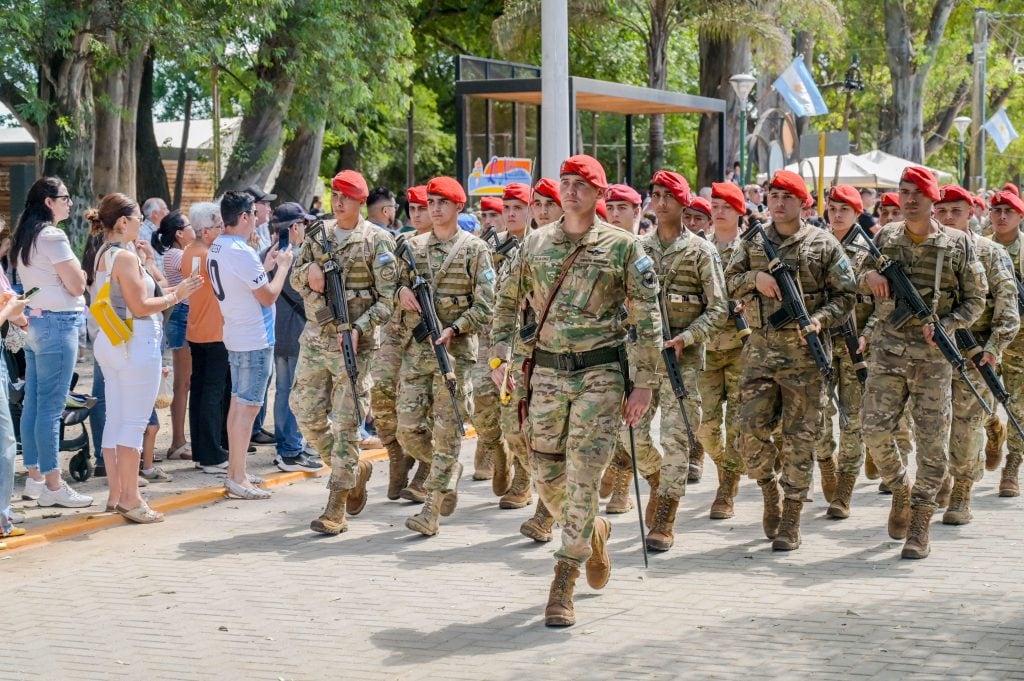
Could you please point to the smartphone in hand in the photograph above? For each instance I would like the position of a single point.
(282, 238)
(196, 260)
(30, 293)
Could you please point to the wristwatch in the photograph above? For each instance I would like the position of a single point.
(455, 329)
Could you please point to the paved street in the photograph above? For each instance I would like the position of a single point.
(242, 590)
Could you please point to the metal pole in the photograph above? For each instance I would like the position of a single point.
(743, 146)
(629, 149)
(960, 163)
(555, 131)
(821, 174)
(215, 94)
(978, 99)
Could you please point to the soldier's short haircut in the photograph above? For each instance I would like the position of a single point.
(378, 194)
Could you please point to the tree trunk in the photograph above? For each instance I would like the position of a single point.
(150, 175)
(117, 105)
(179, 171)
(301, 167)
(719, 60)
(657, 77)
(348, 159)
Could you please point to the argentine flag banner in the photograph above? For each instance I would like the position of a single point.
(798, 89)
(1000, 129)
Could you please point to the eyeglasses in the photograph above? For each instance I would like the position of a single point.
(62, 197)
(185, 226)
(138, 217)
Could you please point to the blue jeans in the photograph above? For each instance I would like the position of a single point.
(174, 331)
(51, 351)
(250, 375)
(286, 428)
(257, 425)
(8, 448)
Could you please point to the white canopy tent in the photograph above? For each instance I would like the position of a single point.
(893, 166)
(874, 169)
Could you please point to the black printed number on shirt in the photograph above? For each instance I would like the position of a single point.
(214, 269)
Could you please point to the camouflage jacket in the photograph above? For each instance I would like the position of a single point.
(1000, 321)
(1015, 251)
(723, 336)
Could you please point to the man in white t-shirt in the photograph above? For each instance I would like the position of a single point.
(246, 298)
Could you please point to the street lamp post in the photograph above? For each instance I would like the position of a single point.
(961, 123)
(742, 84)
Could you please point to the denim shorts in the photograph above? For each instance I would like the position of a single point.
(250, 373)
(174, 331)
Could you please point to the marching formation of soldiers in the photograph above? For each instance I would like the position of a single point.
(561, 342)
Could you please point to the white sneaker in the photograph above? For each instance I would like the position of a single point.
(216, 469)
(65, 496)
(33, 489)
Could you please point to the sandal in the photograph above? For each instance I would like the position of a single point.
(183, 452)
(141, 514)
(235, 491)
(255, 479)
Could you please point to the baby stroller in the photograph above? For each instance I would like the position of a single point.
(76, 411)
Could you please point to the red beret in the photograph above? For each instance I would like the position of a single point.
(417, 194)
(602, 209)
(1011, 187)
(492, 203)
(979, 202)
(699, 203)
(788, 181)
(923, 178)
(623, 192)
(448, 187)
(953, 192)
(517, 191)
(587, 167)
(1010, 199)
(547, 187)
(675, 183)
(351, 184)
(809, 202)
(731, 194)
(891, 199)
(844, 193)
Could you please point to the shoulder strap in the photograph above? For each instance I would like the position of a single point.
(938, 279)
(562, 273)
(460, 243)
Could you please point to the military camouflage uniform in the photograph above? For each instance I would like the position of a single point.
(780, 382)
(464, 298)
(510, 428)
(322, 399)
(903, 367)
(1012, 366)
(574, 415)
(386, 364)
(693, 292)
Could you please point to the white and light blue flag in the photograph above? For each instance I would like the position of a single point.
(798, 89)
(1000, 129)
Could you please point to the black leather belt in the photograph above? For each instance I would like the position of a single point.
(575, 361)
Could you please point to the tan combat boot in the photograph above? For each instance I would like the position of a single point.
(899, 513)
(538, 528)
(662, 535)
(1008, 486)
(728, 488)
(451, 496)
(518, 495)
(357, 495)
(502, 479)
(332, 520)
(827, 468)
(788, 538)
(428, 520)
(483, 463)
(696, 471)
(945, 489)
(917, 537)
(620, 501)
(607, 481)
(399, 465)
(654, 480)
(995, 438)
(415, 491)
(772, 507)
(870, 469)
(560, 612)
(959, 510)
(599, 565)
(840, 506)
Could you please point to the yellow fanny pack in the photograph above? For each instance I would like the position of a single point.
(117, 330)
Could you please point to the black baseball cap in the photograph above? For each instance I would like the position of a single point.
(258, 194)
(289, 213)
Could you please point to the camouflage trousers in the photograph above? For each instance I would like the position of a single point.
(486, 406)
(321, 400)
(384, 393)
(967, 430)
(719, 431)
(510, 429)
(780, 388)
(851, 445)
(573, 425)
(920, 376)
(1012, 369)
(648, 455)
(427, 429)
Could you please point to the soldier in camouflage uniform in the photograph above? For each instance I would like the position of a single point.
(719, 382)
(458, 267)
(780, 381)
(995, 328)
(905, 366)
(1006, 214)
(322, 398)
(697, 216)
(384, 392)
(577, 387)
(693, 297)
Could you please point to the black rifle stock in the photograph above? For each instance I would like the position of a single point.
(430, 327)
(848, 330)
(909, 303)
(675, 376)
(965, 339)
(336, 310)
(793, 309)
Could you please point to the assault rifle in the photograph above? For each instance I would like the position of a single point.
(675, 376)
(909, 303)
(430, 327)
(848, 330)
(793, 309)
(336, 310)
(965, 339)
(1020, 290)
